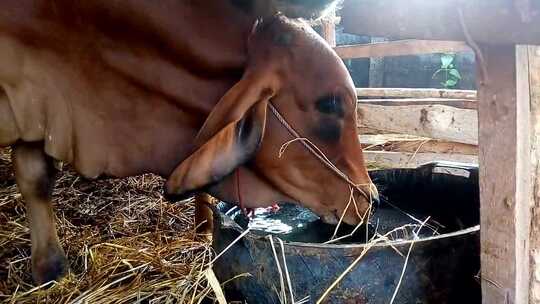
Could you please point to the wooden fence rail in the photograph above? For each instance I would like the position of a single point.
(433, 121)
(456, 103)
(415, 93)
(400, 48)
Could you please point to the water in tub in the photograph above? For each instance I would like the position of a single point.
(297, 224)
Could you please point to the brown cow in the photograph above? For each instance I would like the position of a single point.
(180, 89)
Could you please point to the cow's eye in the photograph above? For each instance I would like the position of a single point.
(330, 104)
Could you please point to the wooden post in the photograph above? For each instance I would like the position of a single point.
(534, 81)
(505, 158)
(376, 67)
(329, 29)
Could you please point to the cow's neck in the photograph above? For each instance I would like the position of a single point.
(206, 44)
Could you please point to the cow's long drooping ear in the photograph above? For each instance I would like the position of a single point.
(228, 147)
(254, 87)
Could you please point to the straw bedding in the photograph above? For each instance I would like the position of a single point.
(124, 242)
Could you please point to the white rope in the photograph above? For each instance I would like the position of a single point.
(311, 147)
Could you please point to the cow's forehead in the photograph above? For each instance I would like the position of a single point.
(314, 67)
(326, 75)
(285, 32)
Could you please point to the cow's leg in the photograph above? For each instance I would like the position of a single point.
(204, 215)
(35, 176)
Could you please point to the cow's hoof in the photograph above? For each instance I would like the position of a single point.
(49, 267)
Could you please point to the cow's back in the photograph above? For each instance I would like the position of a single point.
(116, 87)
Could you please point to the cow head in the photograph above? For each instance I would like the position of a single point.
(309, 9)
(293, 69)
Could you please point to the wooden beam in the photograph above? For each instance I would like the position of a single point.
(433, 121)
(456, 103)
(505, 173)
(534, 80)
(487, 21)
(432, 146)
(367, 140)
(416, 145)
(415, 93)
(400, 48)
(383, 159)
(370, 131)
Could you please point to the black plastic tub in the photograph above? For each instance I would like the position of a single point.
(442, 267)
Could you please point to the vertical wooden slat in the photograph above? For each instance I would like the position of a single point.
(534, 81)
(505, 187)
(523, 176)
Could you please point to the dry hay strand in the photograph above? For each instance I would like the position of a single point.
(124, 243)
